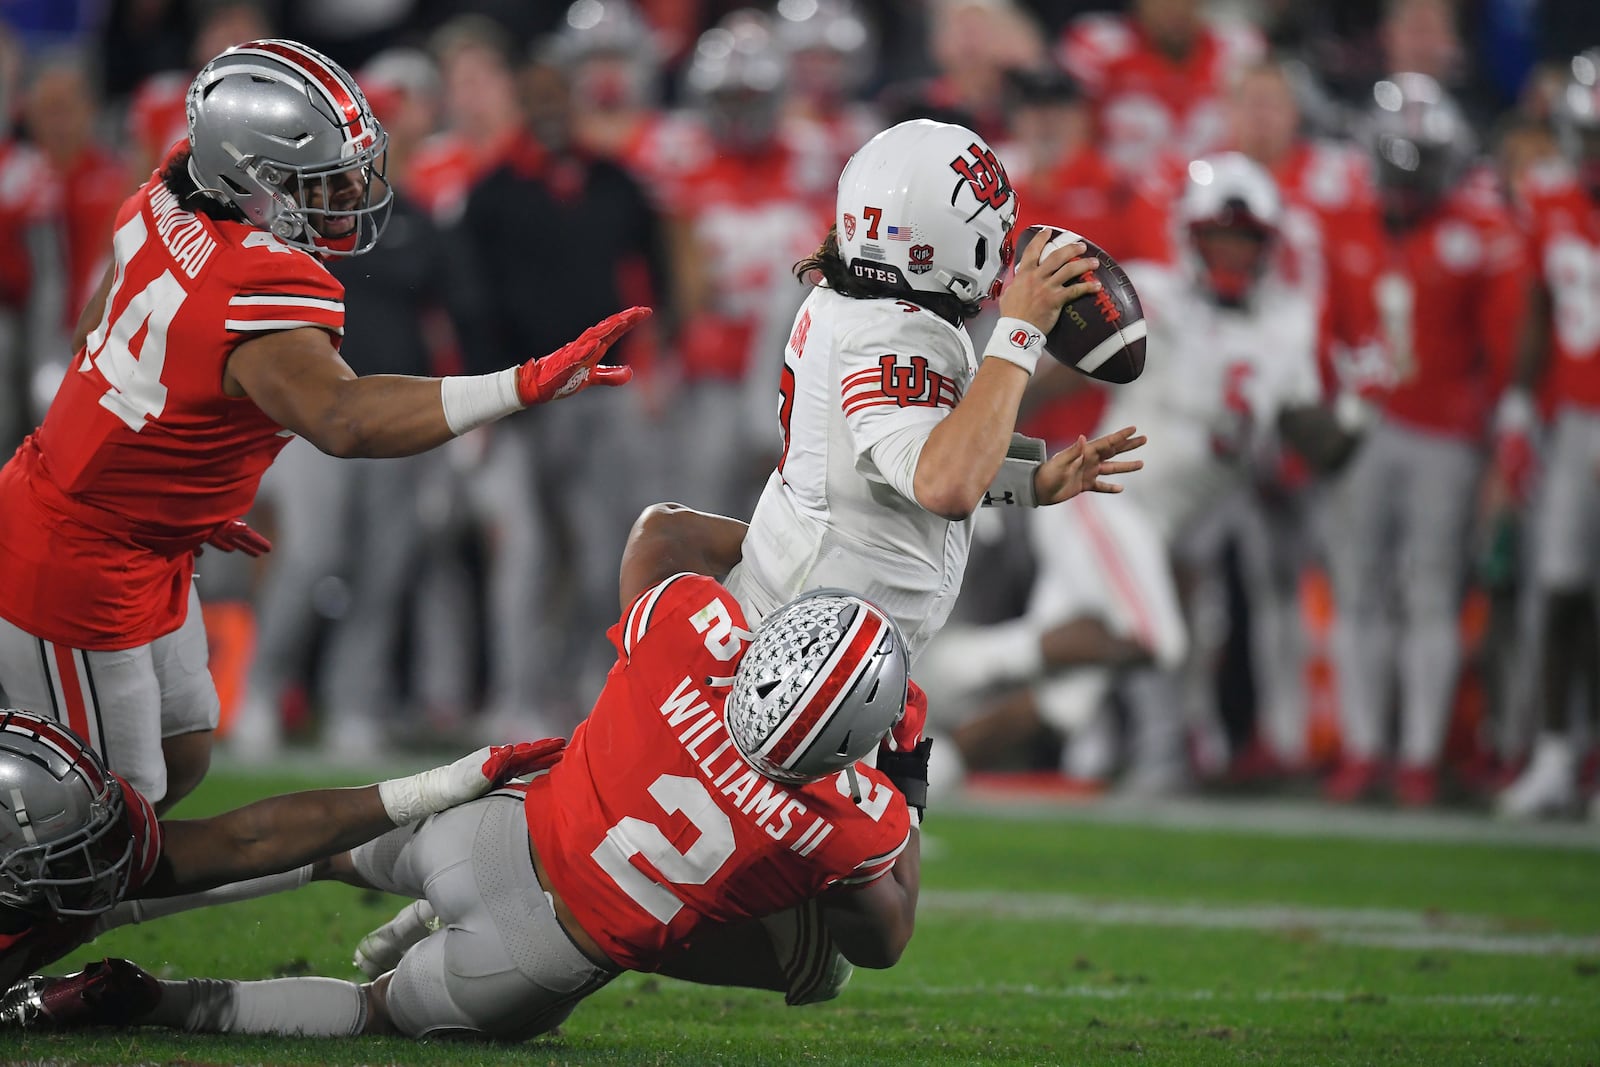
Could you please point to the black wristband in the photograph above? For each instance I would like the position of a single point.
(908, 772)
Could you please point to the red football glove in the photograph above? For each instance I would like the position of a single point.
(506, 762)
(905, 734)
(235, 535)
(575, 366)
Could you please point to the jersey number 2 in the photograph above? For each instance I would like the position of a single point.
(636, 837)
(136, 394)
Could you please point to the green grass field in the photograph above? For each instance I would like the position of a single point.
(1047, 939)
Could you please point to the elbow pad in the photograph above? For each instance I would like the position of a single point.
(1013, 483)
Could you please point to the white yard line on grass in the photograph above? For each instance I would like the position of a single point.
(1371, 927)
(1292, 818)
(1203, 996)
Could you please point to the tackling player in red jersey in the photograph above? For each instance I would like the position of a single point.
(718, 779)
(213, 338)
(80, 848)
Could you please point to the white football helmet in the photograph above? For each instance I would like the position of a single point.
(821, 683)
(1229, 194)
(271, 120)
(65, 847)
(927, 206)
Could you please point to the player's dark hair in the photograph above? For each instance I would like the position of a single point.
(175, 176)
(828, 263)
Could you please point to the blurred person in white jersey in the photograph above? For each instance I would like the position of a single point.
(1232, 369)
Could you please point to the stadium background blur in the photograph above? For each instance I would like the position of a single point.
(555, 163)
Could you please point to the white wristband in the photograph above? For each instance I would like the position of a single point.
(474, 400)
(1016, 341)
(416, 797)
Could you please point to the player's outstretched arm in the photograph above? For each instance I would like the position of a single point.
(282, 833)
(670, 539)
(959, 460)
(299, 380)
(1084, 466)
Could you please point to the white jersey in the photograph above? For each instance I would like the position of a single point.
(1214, 383)
(861, 378)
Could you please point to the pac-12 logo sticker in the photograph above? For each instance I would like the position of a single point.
(921, 259)
(849, 226)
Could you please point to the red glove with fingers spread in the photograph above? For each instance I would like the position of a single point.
(235, 535)
(576, 366)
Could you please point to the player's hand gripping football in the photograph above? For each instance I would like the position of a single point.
(1038, 290)
(576, 365)
(468, 778)
(1083, 467)
(235, 535)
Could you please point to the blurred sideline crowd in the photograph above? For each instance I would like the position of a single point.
(1378, 631)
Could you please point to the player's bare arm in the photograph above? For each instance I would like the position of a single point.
(873, 925)
(281, 833)
(94, 309)
(962, 454)
(298, 379)
(669, 539)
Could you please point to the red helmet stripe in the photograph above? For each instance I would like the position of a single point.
(314, 68)
(845, 669)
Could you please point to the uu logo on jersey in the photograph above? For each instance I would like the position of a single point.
(921, 257)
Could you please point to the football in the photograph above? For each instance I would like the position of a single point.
(1101, 334)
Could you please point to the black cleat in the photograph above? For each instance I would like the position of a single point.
(108, 992)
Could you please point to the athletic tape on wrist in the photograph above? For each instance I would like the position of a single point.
(1016, 341)
(474, 400)
(1013, 482)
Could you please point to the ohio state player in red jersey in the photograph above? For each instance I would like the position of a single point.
(1450, 294)
(1157, 77)
(216, 340)
(81, 851)
(718, 779)
(1562, 344)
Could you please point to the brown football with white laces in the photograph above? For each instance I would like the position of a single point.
(1100, 334)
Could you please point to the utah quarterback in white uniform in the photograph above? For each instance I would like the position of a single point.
(1231, 358)
(893, 430)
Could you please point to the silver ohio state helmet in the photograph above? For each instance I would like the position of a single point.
(823, 681)
(926, 206)
(269, 121)
(65, 847)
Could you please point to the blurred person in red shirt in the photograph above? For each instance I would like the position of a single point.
(483, 115)
(829, 46)
(1159, 79)
(33, 288)
(1561, 204)
(737, 224)
(60, 112)
(1450, 297)
(973, 44)
(156, 113)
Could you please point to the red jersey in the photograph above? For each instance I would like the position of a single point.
(1563, 226)
(1333, 233)
(1148, 105)
(1450, 296)
(37, 946)
(27, 198)
(92, 190)
(141, 455)
(752, 217)
(653, 826)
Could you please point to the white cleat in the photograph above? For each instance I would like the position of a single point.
(1547, 787)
